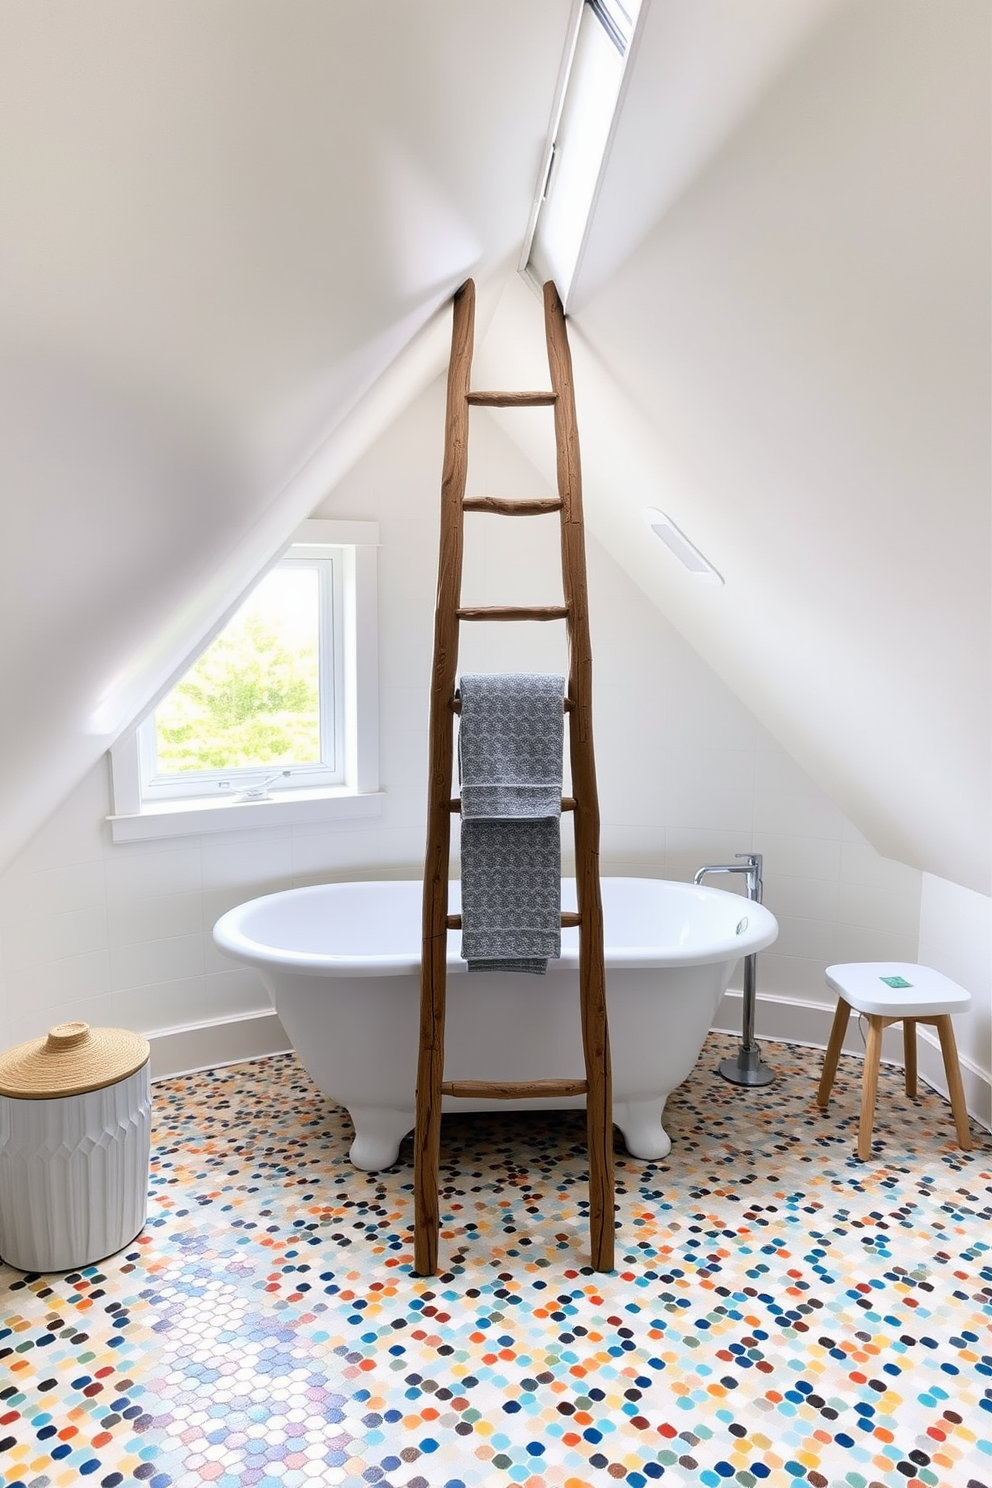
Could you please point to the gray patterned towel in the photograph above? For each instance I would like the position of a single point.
(510, 745)
(510, 760)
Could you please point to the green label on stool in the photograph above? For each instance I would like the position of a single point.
(895, 981)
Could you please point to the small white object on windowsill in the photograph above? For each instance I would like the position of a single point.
(261, 792)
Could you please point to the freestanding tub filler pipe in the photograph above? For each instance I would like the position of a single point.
(748, 1068)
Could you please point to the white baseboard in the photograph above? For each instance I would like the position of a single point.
(182, 1051)
(794, 1021)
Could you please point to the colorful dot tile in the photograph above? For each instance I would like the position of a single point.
(781, 1313)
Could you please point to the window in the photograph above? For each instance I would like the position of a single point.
(259, 711)
(575, 159)
(277, 709)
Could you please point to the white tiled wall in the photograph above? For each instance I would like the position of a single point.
(121, 933)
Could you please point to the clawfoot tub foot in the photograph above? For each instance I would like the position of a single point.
(640, 1124)
(378, 1134)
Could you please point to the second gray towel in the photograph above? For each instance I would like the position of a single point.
(510, 761)
(511, 894)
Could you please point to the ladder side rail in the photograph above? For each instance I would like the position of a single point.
(430, 1064)
(592, 976)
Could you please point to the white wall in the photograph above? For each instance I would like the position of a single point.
(120, 934)
(956, 938)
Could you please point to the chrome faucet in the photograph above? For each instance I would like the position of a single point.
(748, 1068)
(751, 867)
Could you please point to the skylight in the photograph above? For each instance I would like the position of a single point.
(575, 157)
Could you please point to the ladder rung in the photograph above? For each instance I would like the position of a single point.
(456, 705)
(512, 1089)
(534, 506)
(515, 612)
(567, 803)
(569, 920)
(511, 400)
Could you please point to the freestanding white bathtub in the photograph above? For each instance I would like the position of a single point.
(342, 962)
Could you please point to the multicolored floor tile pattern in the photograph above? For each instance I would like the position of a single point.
(781, 1313)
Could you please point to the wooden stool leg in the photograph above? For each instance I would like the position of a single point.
(952, 1069)
(909, 1054)
(842, 1014)
(869, 1087)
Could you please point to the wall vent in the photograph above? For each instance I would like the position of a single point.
(677, 543)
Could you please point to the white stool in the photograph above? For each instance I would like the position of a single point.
(920, 995)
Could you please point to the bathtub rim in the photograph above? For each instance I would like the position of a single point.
(231, 939)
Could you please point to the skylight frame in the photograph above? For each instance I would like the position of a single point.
(596, 25)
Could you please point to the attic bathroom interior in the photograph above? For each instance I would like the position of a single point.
(232, 238)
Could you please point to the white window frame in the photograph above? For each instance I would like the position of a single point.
(170, 811)
(334, 567)
(587, 106)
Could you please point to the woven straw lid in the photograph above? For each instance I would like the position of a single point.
(72, 1059)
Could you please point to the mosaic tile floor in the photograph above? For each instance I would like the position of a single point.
(781, 1313)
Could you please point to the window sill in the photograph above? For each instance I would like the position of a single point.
(191, 819)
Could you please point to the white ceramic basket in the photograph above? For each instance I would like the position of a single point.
(73, 1167)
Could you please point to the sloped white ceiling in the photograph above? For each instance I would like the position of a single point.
(228, 232)
(794, 364)
(705, 65)
(223, 223)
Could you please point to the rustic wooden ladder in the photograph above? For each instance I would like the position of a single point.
(431, 1085)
